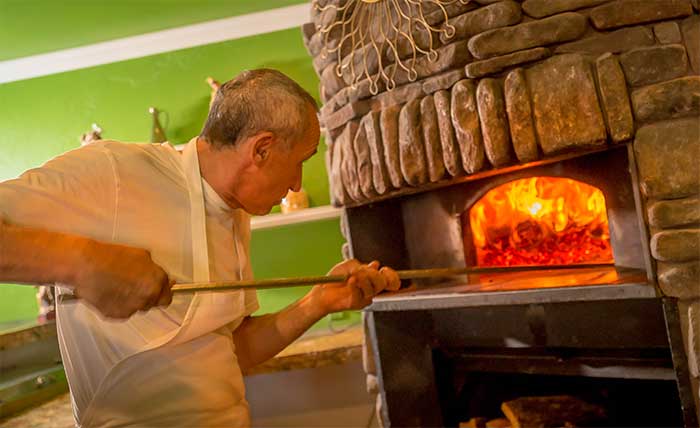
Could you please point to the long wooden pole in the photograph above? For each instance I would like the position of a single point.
(312, 280)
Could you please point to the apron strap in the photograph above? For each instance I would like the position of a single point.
(200, 249)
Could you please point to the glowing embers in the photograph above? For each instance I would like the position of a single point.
(540, 221)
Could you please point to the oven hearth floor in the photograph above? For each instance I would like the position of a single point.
(553, 286)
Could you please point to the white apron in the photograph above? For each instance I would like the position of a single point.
(190, 376)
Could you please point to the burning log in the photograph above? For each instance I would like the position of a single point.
(498, 423)
(551, 411)
(474, 423)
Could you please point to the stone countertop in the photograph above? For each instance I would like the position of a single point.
(13, 335)
(56, 413)
(314, 350)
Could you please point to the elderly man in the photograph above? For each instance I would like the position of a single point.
(116, 224)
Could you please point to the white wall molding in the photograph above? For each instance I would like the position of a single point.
(154, 43)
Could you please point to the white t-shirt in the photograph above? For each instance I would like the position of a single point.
(172, 366)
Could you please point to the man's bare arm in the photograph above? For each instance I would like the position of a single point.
(117, 280)
(34, 256)
(260, 338)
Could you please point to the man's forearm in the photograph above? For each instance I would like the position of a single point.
(260, 338)
(117, 280)
(35, 256)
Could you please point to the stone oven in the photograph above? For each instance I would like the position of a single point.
(541, 132)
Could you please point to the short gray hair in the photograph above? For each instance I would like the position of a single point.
(256, 101)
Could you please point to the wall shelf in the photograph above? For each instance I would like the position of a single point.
(303, 216)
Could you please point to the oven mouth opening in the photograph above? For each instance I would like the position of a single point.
(538, 221)
(514, 285)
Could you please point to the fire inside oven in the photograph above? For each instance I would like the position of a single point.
(539, 221)
(567, 222)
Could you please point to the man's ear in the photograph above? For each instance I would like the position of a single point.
(261, 147)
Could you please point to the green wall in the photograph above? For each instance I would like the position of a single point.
(43, 117)
(40, 26)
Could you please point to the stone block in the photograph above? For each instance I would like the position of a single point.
(614, 98)
(332, 38)
(691, 37)
(486, 18)
(542, 8)
(362, 91)
(449, 57)
(328, 161)
(389, 126)
(465, 120)
(314, 13)
(322, 93)
(667, 156)
(679, 245)
(674, 213)
(667, 32)
(361, 58)
(348, 169)
(345, 114)
(629, 12)
(431, 139)
(400, 95)
(331, 82)
(333, 164)
(363, 161)
(674, 98)
(616, 41)
(322, 61)
(494, 124)
(411, 148)
(450, 150)
(442, 81)
(519, 110)
(453, 9)
(307, 31)
(380, 177)
(555, 29)
(327, 16)
(331, 135)
(681, 280)
(565, 104)
(335, 102)
(497, 64)
(422, 40)
(645, 66)
(315, 44)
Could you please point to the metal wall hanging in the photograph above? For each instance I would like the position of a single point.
(367, 32)
(157, 132)
(214, 85)
(94, 134)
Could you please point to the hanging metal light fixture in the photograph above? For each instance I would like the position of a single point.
(369, 34)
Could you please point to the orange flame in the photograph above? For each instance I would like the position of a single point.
(541, 221)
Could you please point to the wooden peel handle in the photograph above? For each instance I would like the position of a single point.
(313, 280)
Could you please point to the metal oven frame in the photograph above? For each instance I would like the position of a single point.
(420, 228)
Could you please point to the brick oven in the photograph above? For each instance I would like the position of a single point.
(538, 133)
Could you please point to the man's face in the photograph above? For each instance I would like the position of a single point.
(279, 171)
